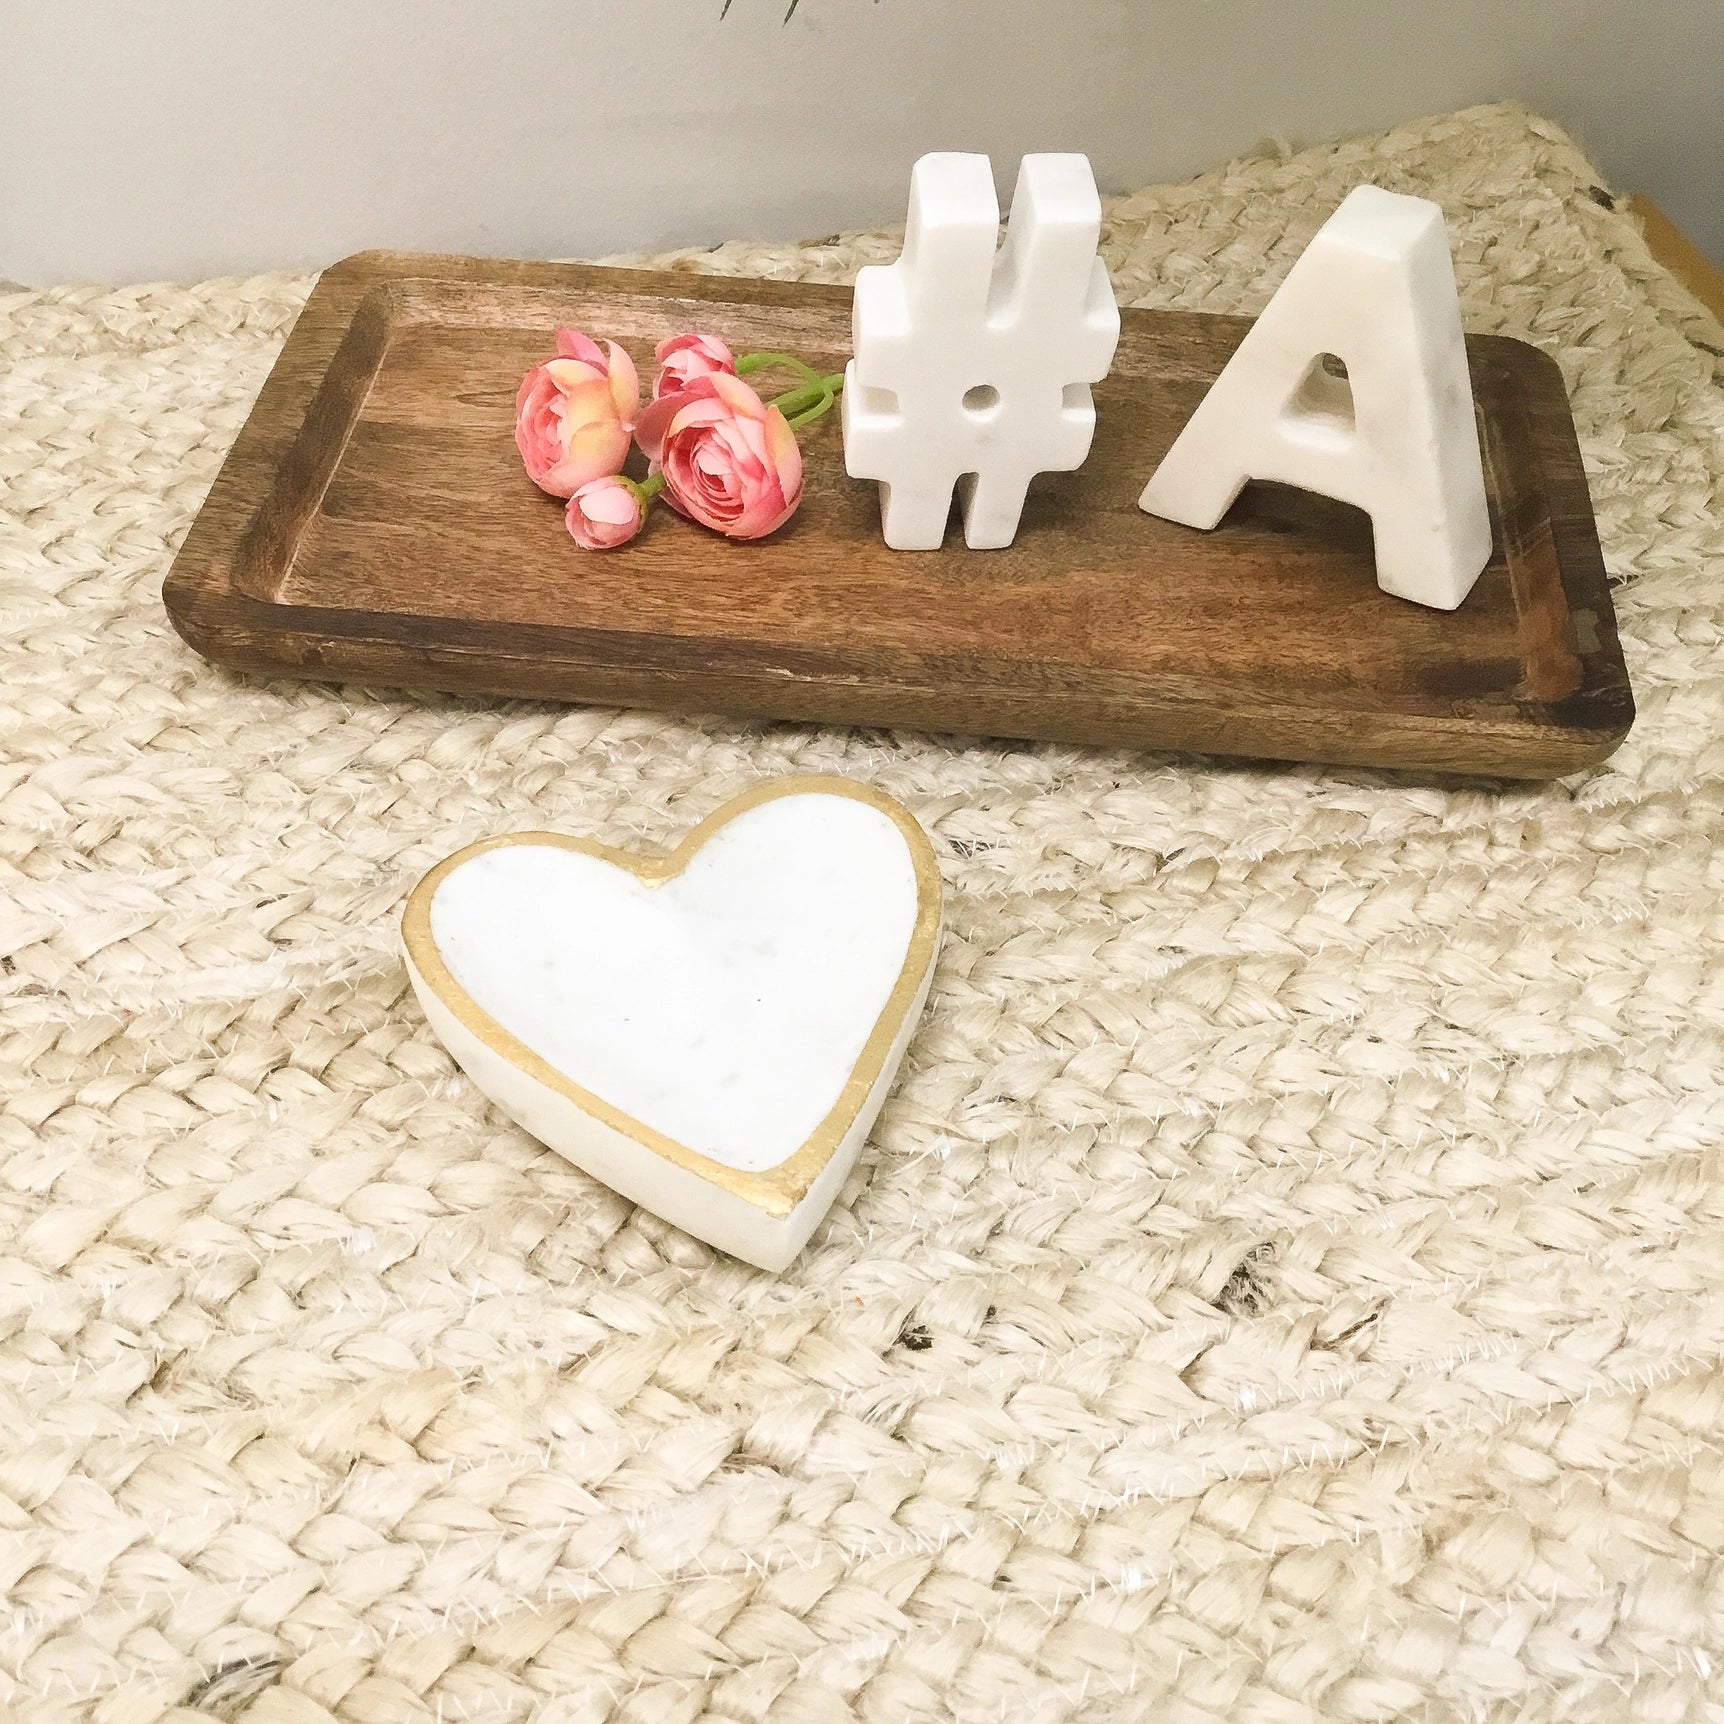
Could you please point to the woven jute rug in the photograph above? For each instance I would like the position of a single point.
(1287, 1284)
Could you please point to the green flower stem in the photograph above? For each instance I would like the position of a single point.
(812, 397)
(752, 362)
(803, 406)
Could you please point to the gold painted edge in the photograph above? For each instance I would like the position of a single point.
(776, 1189)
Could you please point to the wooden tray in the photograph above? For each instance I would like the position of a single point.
(373, 524)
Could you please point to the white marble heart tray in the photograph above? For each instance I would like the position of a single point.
(711, 1032)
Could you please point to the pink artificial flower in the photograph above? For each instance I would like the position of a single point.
(729, 460)
(682, 358)
(604, 513)
(574, 414)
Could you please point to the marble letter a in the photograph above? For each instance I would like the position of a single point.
(1395, 436)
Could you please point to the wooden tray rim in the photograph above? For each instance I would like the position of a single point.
(208, 601)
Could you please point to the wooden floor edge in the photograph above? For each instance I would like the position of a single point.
(1678, 254)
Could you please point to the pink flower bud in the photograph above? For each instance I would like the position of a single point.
(682, 358)
(729, 460)
(604, 513)
(574, 414)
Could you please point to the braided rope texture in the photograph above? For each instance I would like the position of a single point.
(1288, 1283)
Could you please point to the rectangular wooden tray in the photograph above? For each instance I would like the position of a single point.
(373, 524)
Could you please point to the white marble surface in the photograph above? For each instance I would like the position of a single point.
(724, 1008)
(1376, 289)
(971, 368)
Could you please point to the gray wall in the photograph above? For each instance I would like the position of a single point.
(147, 138)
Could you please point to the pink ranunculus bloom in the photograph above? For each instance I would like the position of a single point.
(729, 460)
(574, 414)
(604, 513)
(682, 358)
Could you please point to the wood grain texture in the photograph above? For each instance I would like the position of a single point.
(373, 524)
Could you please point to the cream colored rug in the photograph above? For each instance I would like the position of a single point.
(1288, 1283)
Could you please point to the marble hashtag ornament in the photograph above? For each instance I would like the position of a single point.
(1395, 436)
(971, 370)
